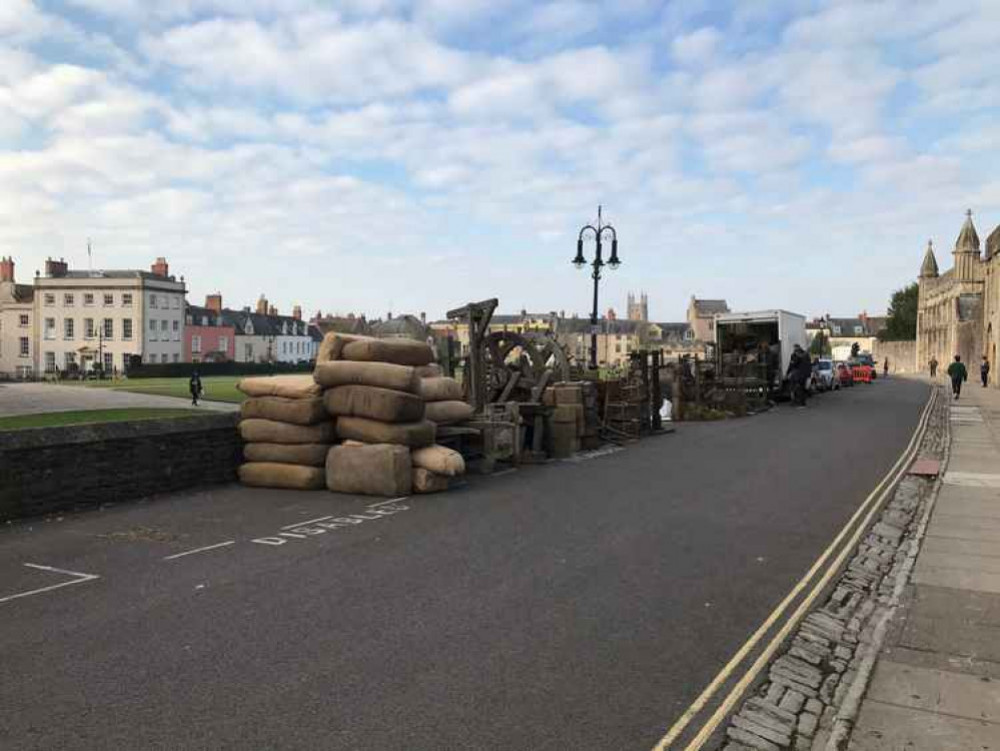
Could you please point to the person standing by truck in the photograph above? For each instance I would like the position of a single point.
(957, 373)
(799, 372)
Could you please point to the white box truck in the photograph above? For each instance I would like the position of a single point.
(762, 340)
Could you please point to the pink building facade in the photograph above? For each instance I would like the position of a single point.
(206, 337)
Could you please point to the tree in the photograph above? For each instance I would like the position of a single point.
(901, 324)
(820, 345)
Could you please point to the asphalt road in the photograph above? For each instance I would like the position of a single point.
(574, 605)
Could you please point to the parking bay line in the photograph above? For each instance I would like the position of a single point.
(200, 550)
(80, 579)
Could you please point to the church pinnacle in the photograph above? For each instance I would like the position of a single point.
(929, 268)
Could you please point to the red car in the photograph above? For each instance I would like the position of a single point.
(844, 374)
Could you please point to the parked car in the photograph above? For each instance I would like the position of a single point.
(825, 375)
(866, 359)
(844, 374)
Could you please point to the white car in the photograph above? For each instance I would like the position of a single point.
(826, 375)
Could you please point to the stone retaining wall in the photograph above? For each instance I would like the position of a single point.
(44, 470)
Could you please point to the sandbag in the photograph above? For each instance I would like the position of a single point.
(296, 411)
(332, 345)
(440, 460)
(306, 454)
(271, 431)
(398, 351)
(382, 374)
(440, 389)
(425, 481)
(362, 429)
(444, 413)
(274, 475)
(289, 386)
(384, 405)
(430, 371)
(380, 469)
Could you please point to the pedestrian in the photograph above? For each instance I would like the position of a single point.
(933, 365)
(799, 371)
(957, 373)
(984, 370)
(885, 368)
(195, 387)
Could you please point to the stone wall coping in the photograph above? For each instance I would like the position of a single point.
(29, 438)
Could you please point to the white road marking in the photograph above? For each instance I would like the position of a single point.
(311, 521)
(80, 579)
(587, 455)
(386, 503)
(200, 550)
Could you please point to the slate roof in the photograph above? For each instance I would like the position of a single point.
(710, 307)
(262, 325)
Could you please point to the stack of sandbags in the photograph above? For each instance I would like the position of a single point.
(567, 424)
(371, 387)
(444, 399)
(287, 433)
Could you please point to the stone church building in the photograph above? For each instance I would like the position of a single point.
(958, 312)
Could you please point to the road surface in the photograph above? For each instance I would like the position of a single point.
(577, 605)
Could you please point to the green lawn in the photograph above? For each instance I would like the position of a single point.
(217, 388)
(81, 417)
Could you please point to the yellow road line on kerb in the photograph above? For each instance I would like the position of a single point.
(724, 675)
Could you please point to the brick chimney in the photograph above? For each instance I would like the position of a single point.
(214, 302)
(262, 305)
(297, 312)
(6, 269)
(160, 268)
(56, 268)
(272, 311)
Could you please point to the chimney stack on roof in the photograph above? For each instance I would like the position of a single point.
(56, 268)
(214, 302)
(6, 269)
(272, 310)
(262, 305)
(161, 268)
(297, 312)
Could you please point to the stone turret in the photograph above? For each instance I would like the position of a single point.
(966, 251)
(992, 244)
(929, 268)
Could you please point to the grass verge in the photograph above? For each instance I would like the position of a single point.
(86, 416)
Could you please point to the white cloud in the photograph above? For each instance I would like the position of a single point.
(696, 48)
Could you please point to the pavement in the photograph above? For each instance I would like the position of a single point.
(36, 397)
(936, 686)
(580, 604)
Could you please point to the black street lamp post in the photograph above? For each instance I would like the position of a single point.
(597, 263)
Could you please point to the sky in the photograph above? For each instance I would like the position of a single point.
(376, 156)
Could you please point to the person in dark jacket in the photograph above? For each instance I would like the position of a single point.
(957, 373)
(195, 387)
(984, 370)
(799, 373)
(885, 368)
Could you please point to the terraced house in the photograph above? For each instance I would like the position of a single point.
(85, 319)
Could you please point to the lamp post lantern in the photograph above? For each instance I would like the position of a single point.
(597, 263)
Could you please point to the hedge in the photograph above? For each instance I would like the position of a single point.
(185, 369)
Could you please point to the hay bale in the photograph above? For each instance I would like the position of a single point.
(440, 460)
(425, 481)
(306, 454)
(414, 434)
(296, 411)
(398, 351)
(256, 430)
(384, 405)
(274, 475)
(288, 386)
(379, 469)
(440, 389)
(444, 413)
(430, 371)
(382, 374)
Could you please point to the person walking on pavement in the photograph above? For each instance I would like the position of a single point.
(195, 387)
(885, 368)
(933, 365)
(984, 370)
(957, 373)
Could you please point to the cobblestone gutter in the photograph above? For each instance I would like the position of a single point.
(812, 691)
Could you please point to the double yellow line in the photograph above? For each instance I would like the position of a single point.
(872, 504)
